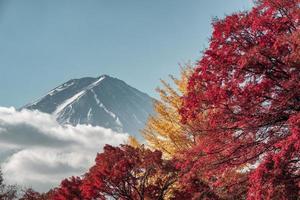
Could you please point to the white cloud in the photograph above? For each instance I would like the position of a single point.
(36, 151)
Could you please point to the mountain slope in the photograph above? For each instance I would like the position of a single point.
(102, 101)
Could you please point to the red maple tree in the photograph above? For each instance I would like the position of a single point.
(69, 189)
(129, 173)
(248, 83)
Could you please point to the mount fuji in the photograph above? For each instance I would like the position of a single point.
(104, 101)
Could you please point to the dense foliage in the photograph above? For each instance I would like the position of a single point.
(129, 173)
(230, 130)
(164, 130)
(249, 82)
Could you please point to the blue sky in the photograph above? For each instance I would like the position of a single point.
(45, 43)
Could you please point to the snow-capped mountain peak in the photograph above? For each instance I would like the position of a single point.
(76, 97)
(102, 101)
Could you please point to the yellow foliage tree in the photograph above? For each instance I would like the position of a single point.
(132, 141)
(163, 130)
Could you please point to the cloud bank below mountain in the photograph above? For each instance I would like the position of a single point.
(36, 151)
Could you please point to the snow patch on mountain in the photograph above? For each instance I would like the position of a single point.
(89, 115)
(67, 102)
(60, 88)
(102, 106)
